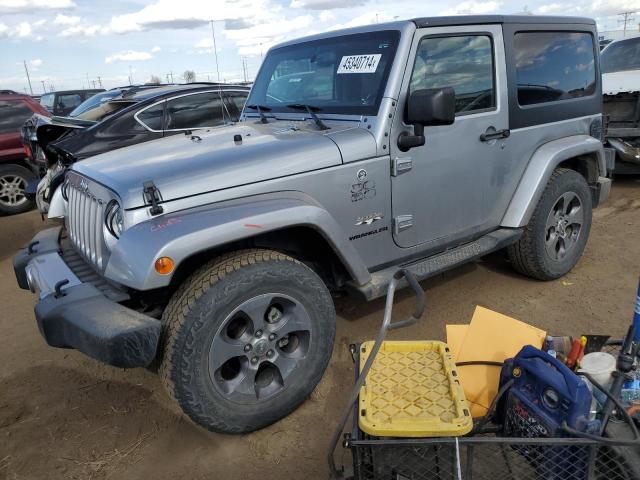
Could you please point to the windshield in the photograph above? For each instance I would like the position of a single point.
(93, 101)
(345, 74)
(622, 55)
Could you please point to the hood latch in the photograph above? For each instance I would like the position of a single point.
(152, 196)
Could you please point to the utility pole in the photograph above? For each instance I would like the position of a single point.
(215, 50)
(130, 76)
(88, 82)
(28, 79)
(626, 18)
(100, 81)
(44, 87)
(171, 73)
(244, 68)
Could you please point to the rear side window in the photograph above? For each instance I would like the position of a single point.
(195, 111)
(13, 114)
(69, 102)
(152, 117)
(238, 99)
(462, 62)
(554, 66)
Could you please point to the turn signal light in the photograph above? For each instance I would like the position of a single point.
(164, 265)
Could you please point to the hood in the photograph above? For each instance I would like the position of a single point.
(627, 81)
(224, 157)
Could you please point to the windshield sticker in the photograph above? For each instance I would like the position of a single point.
(359, 63)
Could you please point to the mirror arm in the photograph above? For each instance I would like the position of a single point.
(406, 141)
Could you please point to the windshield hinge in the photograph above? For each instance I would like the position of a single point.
(152, 196)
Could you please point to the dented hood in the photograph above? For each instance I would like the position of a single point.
(205, 161)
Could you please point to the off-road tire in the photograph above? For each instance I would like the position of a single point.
(198, 308)
(529, 256)
(16, 171)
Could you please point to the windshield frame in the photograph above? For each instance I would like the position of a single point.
(263, 79)
(619, 45)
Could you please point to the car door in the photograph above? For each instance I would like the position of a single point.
(442, 192)
(13, 114)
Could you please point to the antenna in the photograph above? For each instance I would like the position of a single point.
(215, 50)
(28, 79)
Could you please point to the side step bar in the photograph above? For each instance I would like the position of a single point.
(430, 266)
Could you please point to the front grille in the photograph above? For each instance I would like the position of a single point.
(84, 223)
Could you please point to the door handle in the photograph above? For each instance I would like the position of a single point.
(488, 135)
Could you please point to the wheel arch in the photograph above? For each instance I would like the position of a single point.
(292, 225)
(581, 153)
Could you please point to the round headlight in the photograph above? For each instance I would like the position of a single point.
(114, 220)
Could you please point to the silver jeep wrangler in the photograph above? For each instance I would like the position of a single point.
(423, 144)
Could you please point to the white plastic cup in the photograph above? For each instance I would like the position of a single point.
(600, 365)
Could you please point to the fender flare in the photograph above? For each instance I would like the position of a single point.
(182, 234)
(539, 170)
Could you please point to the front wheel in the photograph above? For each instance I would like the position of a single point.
(246, 339)
(554, 239)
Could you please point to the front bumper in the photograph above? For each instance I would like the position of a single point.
(74, 314)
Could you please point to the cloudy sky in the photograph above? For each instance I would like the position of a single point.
(75, 43)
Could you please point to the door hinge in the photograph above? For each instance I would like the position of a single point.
(402, 222)
(400, 165)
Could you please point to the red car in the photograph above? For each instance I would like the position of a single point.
(15, 173)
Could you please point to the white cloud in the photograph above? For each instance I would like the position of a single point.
(163, 14)
(39, 23)
(325, 4)
(326, 16)
(31, 6)
(4, 30)
(156, 49)
(128, 56)
(23, 29)
(368, 18)
(473, 8)
(66, 20)
(35, 64)
(81, 31)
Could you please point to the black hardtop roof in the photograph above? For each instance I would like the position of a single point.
(485, 19)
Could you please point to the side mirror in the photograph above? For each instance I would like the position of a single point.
(427, 108)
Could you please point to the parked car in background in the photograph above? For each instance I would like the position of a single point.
(15, 173)
(620, 63)
(63, 102)
(134, 115)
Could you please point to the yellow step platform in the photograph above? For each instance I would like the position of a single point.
(412, 390)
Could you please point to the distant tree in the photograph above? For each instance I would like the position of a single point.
(189, 76)
(154, 79)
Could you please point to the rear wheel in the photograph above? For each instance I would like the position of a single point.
(13, 182)
(554, 239)
(246, 340)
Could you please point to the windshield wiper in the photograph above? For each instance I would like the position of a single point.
(310, 110)
(260, 108)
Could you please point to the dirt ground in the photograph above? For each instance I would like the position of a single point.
(63, 415)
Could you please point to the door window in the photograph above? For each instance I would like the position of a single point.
(13, 114)
(552, 66)
(462, 62)
(195, 111)
(47, 101)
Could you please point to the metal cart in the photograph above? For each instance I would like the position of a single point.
(484, 455)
